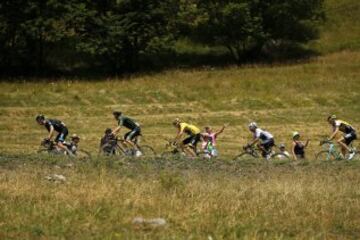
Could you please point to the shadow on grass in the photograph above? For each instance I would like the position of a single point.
(154, 64)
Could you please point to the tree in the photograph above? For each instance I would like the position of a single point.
(30, 29)
(120, 32)
(245, 26)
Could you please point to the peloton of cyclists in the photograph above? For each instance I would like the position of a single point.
(262, 138)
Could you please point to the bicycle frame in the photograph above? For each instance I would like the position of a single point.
(330, 147)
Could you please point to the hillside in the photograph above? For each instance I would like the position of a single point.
(341, 30)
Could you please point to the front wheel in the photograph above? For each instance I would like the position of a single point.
(325, 156)
(147, 151)
(81, 154)
(244, 156)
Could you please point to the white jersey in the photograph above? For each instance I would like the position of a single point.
(263, 135)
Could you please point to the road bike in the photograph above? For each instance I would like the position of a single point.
(49, 147)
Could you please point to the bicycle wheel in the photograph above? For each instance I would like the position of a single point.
(204, 155)
(147, 151)
(325, 156)
(81, 154)
(172, 155)
(280, 156)
(244, 156)
(43, 151)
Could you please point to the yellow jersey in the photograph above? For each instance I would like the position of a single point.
(189, 129)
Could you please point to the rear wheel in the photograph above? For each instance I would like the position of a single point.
(244, 156)
(325, 156)
(280, 156)
(174, 154)
(81, 154)
(110, 150)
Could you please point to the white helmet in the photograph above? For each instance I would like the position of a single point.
(253, 125)
(295, 134)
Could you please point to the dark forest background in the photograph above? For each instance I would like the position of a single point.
(108, 37)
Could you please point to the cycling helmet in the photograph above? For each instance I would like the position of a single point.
(295, 134)
(253, 125)
(332, 117)
(40, 118)
(74, 136)
(108, 131)
(282, 146)
(176, 121)
(117, 113)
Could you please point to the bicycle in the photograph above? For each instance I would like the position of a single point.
(252, 152)
(49, 147)
(120, 148)
(331, 152)
(177, 151)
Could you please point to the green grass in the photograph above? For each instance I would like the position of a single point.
(341, 30)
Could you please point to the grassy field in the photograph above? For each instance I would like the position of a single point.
(199, 200)
(281, 99)
(101, 198)
(341, 30)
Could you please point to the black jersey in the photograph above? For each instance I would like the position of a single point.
(58, 125)
(299, 149)
(128, 123)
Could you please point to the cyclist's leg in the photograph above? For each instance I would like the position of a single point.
(194, 142)
(345, 141)
(60, 139)
(130, 137)
(267, 148)
(186, 146)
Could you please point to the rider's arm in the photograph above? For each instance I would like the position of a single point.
(116, 130)
(293, 151)
(220, 131)
(51, 131)
(178, 136)
(254, 141)
(334, 133)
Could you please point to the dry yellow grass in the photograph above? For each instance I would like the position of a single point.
(321, 202)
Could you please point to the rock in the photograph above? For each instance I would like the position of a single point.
(157, 221)
(153, 222)
(56, 178)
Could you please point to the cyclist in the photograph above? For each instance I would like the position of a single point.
(73, 145)
(110, 141)
(129, 137)
(54, 125)
(188, 144)
(209, 141)
(298, 147)
(264, 138)
(349, 135)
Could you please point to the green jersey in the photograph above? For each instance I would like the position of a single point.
(127, 122)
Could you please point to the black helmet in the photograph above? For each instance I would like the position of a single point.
(108, 131)
(40, 118)
(117, 113)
